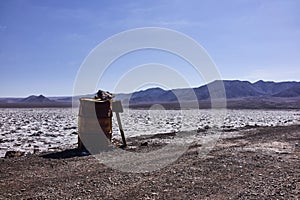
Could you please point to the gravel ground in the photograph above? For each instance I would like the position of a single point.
(251, 163)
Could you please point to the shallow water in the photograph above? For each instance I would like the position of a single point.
(46, 129)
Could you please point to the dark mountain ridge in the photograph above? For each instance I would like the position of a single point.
(234, 89)
(239, 94)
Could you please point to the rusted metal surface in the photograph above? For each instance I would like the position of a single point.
(93, 115)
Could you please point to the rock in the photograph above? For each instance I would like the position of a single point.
(206, 127)
(69, 128)
(37, 133)
(199, 130)
(51, 135)
(36, 149)
(12, 154)
(144, 144)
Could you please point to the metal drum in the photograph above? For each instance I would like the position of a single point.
(94, 122)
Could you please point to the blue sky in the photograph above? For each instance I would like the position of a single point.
(43, 43)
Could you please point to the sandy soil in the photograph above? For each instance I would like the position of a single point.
(251, 163)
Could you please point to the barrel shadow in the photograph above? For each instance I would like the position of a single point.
(69, 153)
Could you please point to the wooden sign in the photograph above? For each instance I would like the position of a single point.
(117, 107)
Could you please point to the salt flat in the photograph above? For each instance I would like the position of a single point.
(52, 129)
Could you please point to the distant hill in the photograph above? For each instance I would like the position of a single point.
(153, 95)
(272, 88)
(293, 91)
(233, 89)
(36, 99)
(32, 101)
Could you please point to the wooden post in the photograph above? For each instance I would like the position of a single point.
(117, 108)
(121, 129)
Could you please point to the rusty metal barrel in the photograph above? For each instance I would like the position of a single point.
(94, 124)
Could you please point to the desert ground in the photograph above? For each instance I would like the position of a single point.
(247, 163)
(40, 130)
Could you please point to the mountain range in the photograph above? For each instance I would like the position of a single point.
(239, 94)
(234, 89)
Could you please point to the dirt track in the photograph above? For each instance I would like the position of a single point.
(256, 163)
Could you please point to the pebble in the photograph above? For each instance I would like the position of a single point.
(143, 144)
(11, 154)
